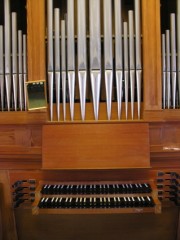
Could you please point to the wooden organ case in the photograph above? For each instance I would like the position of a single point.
(78, 178)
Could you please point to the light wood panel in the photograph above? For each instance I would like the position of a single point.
(151, 54)
(36, 39)
(95, 146)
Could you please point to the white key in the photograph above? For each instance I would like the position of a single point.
(143, 199)
(148, 198)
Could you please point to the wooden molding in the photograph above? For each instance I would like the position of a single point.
(151, 54)
(36, 40)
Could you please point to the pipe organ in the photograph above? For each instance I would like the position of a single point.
(107, 140)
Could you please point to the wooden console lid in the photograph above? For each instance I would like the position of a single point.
(95, 146)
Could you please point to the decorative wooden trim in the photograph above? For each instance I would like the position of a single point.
(166, 115)
(36, 39)
(156, 209)
(21, 118)
(151, 54)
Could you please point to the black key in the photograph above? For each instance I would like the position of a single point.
(41, 203)
(60, 203)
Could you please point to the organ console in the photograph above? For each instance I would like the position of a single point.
(107, 141)
(99, 197)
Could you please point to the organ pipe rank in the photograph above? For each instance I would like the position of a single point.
(13, 69)
(170, 42)
(110, 59)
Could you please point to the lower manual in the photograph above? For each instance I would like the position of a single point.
(96, 202)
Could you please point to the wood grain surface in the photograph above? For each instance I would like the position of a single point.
(151, 54)
(95, 146)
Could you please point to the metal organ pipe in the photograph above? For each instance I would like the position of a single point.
(50, 54)
(25, 69)
(14, 58)
(108, 59)
(118, 54)
(20, 70)
(178, 46)
(95, 54)
(138, 54)
(82, 57)
(7, 44)
(63, 66)
(173, 59)
(71, 54)
(2, 67)
(57, 58)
